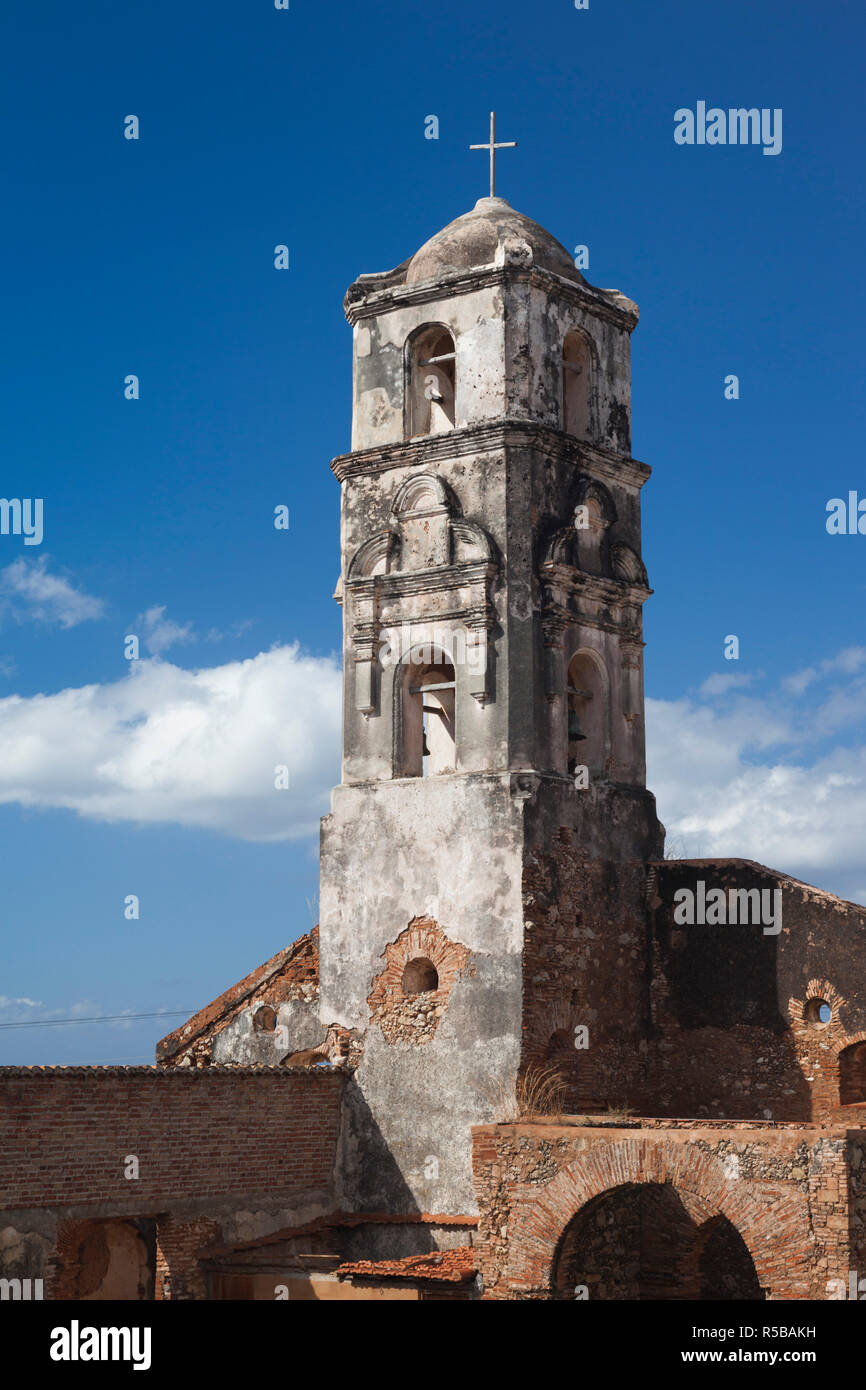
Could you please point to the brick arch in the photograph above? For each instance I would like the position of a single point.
(415, 1020)
(773, 1228)
(817, 1048)
(851, 1073)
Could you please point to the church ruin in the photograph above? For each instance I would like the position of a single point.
(502, 1066)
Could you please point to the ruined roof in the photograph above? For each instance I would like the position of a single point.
(335, 1221)
(295, 965)
(472, 240)
(785, 880)
(439, 1266)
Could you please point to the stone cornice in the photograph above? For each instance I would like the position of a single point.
(561, 619)
(435, 580)
(498, 434)
(365, 301)
(595, 586)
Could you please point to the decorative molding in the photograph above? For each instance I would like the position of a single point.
(591, 489)
(378, 550)
(627, 565)
(391, 575)
(372, 295)
(499, 435)
(423, 494)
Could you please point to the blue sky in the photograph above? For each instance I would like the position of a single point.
(155, 257)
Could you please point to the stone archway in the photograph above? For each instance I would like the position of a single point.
(773, 1228)
(649, 1242)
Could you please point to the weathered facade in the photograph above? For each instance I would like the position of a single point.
(495, 904)
(490, 565)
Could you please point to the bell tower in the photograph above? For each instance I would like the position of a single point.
(482, 866)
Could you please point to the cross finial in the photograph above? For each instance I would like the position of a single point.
(493, 147)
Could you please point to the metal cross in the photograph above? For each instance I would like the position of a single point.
(493, 147)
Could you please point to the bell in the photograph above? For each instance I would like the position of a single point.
(574, 733)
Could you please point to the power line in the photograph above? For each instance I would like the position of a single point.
(102, 1018)
(145, 1061)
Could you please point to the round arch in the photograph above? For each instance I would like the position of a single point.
(652, 1242)
(429, 380)
(417, 734)
(588, 700)
(542, 1216)
(579, 384)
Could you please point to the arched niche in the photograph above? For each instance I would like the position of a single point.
(577, 372)
(431, 381)
(425, 714)
(852, 1074)
(594, 514)
(588, 712)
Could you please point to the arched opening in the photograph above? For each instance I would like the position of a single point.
(265, 1019)
(817, 1012)
(112, 1259)
(576, 386)
(431, 381)
(725, 1268)
(640, 1242)
(591, 524)
(428, 733)
(852, 1074)
(587, 714)
(420, 977)
(560, 1048)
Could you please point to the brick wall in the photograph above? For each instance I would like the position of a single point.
(584, 965)
(414, 1017)
(706, 1020)
(179, 1275)
(211, 1135)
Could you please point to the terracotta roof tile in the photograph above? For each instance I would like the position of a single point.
(439, 1266)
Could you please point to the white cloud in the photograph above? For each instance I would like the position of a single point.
(28, 591)
(772, 777)
(195, 748)
(158, 632)
(755, 779)
(723, 681)
(848, 662)
(24, 1003)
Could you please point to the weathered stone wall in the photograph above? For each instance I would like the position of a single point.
(519, 485)
(709, 1020)
(857, 1204)
(508, 323)
(402, 1012)
(410, 1103)
(585, 968)
(733, 1029)
(784, 1190)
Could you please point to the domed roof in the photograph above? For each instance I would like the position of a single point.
(472, 240)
